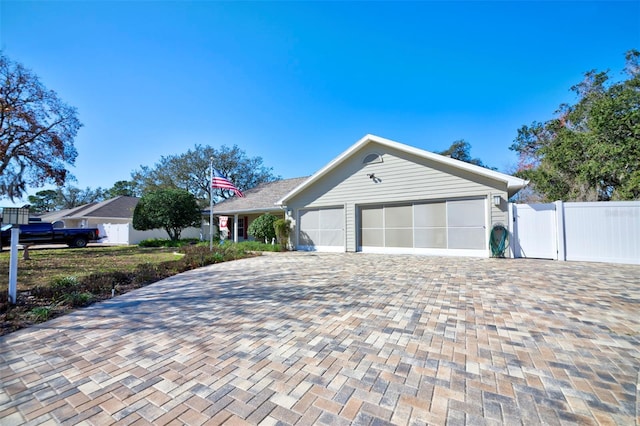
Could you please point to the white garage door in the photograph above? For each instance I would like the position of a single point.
(321, 229)
(430, 227)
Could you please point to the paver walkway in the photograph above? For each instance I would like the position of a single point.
(341, 339)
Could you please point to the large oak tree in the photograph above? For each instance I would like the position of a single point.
(191, 172)
(37, 131)
(591, 150)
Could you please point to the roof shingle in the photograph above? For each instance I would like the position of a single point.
(262, 198)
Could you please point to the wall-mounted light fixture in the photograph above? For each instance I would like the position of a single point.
(497, 200)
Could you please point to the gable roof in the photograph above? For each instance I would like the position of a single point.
(261, 198)
(59, 214)
(120, 207)
(514, 184)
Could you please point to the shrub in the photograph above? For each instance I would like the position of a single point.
(234, 251)
(197, 256)
(262, 228)
(157, 242)
(258, 246)
(154, 242)
(282, 228)
(63, 284)
(77, 299)
(66, 281)
(40, 314)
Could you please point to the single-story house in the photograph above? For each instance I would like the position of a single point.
(241, 211)
(386, 197)
(114, 219)
(115, 210)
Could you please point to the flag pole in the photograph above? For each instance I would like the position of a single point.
(211, 204)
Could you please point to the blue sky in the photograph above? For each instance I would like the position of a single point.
(297, 83)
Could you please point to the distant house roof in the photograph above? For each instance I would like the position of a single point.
(120, 207)
(262, 198)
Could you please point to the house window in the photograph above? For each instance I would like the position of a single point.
(372, 159)
(241, 224)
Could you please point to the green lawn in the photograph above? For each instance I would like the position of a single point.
(46, 264)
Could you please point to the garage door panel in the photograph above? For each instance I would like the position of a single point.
(371, 217)
(331, 238)
(398, 237)
(431, 238)
(398, 216)
(372, 237)
(309, 237)
(465, 213)
(309, 219)
(321, 227)
(430, 215)
(466, 238)
(331, 219)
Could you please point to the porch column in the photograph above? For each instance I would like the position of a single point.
(235, 228)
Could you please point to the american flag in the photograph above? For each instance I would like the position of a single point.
(219, 181)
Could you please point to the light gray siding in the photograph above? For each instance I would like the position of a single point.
(400, 177)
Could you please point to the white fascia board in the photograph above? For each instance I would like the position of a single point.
(514, 184)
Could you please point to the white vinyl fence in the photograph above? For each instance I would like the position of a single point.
(123, 233)
(593, 232)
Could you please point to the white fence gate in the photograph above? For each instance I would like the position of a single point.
(594, 232)
(535, 233)
(114, 233)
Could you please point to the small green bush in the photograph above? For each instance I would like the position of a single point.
(197, 256)
(234, 251)
(154, 242)
(40, 314)
(282, 228)
(66, 281)
(63, 284)
(258, 246)
(157, 242)
(262, 228)
(77, 299)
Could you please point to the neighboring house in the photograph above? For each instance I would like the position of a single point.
(241, 211)
(118, 210)
(113, 218)
(386, 197)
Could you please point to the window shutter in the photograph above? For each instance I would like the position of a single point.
(245, 227)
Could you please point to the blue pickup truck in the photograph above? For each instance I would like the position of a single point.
(45, 233)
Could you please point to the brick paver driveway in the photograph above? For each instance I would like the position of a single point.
(341, 338)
